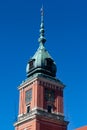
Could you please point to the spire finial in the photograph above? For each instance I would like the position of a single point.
(42, 14)
(42, 39)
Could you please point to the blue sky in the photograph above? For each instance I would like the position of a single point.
(66, 34)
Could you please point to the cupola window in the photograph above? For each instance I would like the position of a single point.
(31, 64)
(48, 63)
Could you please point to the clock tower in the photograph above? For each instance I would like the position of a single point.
(41, 94)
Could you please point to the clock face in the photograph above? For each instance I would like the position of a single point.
(28, 95)
(49, 94)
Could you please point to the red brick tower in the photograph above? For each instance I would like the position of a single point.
(41, 94)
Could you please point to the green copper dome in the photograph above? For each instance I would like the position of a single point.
(41, 62)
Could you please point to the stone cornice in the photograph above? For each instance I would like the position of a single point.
(41, 77)
(38, 112)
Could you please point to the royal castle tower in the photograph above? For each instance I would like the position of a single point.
(41, 94)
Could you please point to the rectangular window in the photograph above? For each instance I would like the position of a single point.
(48, 63)
(28, 109)
(31, 64)
(49, 108)
(28, 95)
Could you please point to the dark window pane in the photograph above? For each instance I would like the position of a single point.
(49, 109)
(28, 109)
(48, 63)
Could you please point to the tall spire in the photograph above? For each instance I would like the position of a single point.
(41, 62)
(42, 39)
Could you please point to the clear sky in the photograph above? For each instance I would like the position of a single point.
(66, 34)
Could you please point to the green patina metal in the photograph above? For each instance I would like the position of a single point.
(41, 62)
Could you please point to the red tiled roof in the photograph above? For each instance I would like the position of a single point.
(82, 128)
